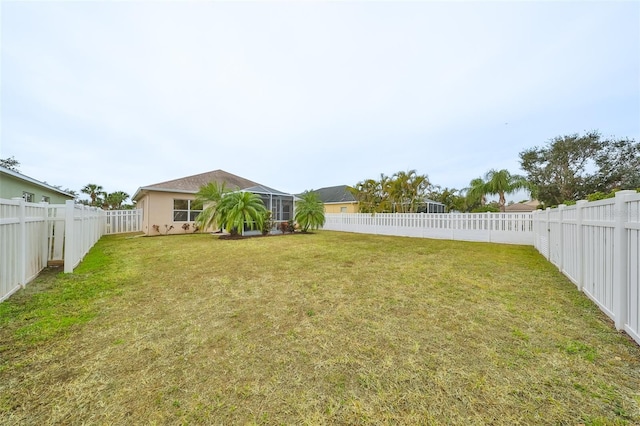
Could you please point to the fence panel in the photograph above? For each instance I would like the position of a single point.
(569, 247)
(35, 247)
(83, 228)
(55, 233)
(598, 227)
(10, 233)
(632, 227)
(553, 225)
(509, 228)
(23, 252)
(541, 232)
(123, 221)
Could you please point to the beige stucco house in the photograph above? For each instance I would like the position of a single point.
(169, 208)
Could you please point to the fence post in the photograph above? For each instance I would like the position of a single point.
(489, 226)
(22, 242)
(45, 241)
(69, 243)
(580, 243)
(396, 219)
(548, 232)
(620, 259)
(534, 228)
(452, 224)
(561, 208)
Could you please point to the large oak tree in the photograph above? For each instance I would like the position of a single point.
(570, 167)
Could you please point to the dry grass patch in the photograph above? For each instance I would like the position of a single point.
(329, 328)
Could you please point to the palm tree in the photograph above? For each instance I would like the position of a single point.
(382, 193)
(93, 191)
(407, 190)
(367, 193)
(115, 199)
(418, 185)
(396, 190)
(501, 182)
(309, 211)
(208, 196)
(476, 193)
(237, 208)
(497, 182)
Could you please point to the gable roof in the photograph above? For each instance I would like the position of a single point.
(33, 181)
(194, 182)
(335, 194)
(191, 184)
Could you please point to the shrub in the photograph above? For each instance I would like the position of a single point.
(283, 227)
(267, 223)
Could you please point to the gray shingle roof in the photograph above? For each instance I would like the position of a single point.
(194, 182)
(335, 194)
(191, 184)
(261, 189)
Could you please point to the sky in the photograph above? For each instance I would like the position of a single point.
(307, 94)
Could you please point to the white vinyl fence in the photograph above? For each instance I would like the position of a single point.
(123, 221)
(35, 234)
(509, 228)
(597, 246)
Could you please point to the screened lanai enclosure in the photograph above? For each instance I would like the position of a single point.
(279, 203)
(424, 206)
(430, 206)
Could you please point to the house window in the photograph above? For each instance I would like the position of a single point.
(45, 199)
(343, 209)
(185, 210)
(28, 197)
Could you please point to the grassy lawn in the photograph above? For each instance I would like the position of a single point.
(328, 328)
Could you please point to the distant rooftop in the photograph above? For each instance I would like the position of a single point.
(528, 206)
(335, 194)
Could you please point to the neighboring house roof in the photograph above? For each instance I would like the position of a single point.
(191, 184)
(34, 182)
(529, 206)
(335, 194)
